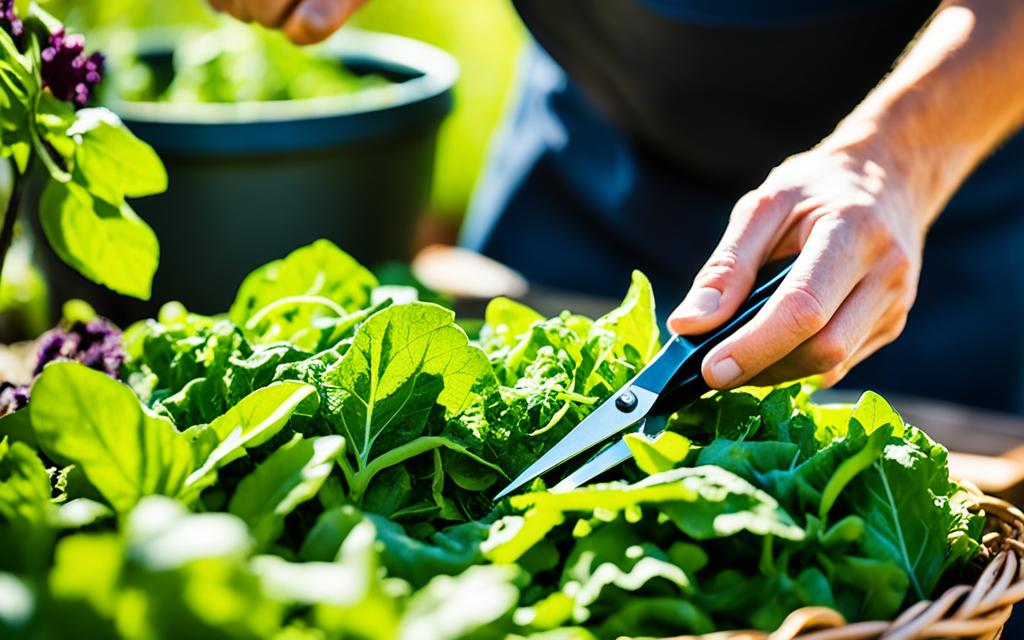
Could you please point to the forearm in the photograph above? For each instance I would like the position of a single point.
(955, 95)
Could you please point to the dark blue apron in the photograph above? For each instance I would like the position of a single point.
(630, 151)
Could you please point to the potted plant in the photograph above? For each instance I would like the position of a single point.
(259, 166)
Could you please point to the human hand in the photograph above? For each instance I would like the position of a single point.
(859, 233)
(303, 21)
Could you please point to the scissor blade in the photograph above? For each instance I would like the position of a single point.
(609, 457)
(605, 421)
(601, 462)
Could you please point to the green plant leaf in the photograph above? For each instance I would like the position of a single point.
(107, 244)
(290, 476)
(873, 412)
(662, 453)
(24, 484)
(404, 361)
(634, 323)
(439, 610)
(320, 269)
(254, 420)
(903, 500)
(111, 161)
(86, 418)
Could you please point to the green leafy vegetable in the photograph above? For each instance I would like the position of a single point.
(356, 447)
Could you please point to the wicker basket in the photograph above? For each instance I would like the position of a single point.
(964, 611)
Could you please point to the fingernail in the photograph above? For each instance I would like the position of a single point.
(315, 17)
(699, 302)
(725, 372)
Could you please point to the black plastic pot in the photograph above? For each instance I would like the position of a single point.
(251, 182)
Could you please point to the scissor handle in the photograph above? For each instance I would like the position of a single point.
(675, 373)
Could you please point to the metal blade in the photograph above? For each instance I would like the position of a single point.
(610, 456)
(603, 461)
(606, 421)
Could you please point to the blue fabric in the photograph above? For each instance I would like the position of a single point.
(574, 201)
(752, 12)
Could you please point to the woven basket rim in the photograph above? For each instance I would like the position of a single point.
(963, 611)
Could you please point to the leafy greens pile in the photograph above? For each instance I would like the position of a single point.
(232, 63)
(316, 463)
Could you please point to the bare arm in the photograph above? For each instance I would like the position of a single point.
(857, 206)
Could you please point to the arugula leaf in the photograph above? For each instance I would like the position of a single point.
(84, 417)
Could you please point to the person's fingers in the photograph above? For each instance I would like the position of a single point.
(315, 20)
(240, 9)
(872, 304)
(221, 5)
(271, 13)
(887, 334)
(834, 259)
(726, 278)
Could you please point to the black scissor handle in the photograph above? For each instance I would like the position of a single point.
(675, 374)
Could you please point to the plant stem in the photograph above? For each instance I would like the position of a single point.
(10, 216)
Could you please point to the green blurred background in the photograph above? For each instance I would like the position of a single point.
(484, 35)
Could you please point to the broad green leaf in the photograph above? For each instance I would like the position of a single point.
(358, 605)
(634, 322)
(876, 588)
(24, 484)
(84, 584)
(189, 576)
(704, 502)
(112, 161)
(324, 540)
(656, 617)
(107, 244)
(320, 269)
(161, 535)
(505, 321)
(84, 417)
(450, 608)
(853, 465)
(903, 500)
(872, 412)
(662, 453)
(78, 513)
(749, 458)
(613, 565)
(447, 552)
(404, 361)
(290, 476)
(254, 420)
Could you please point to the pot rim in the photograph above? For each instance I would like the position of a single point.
(435, 73)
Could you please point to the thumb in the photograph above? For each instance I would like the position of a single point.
(725, 280)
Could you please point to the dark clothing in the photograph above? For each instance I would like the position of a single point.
(672, 109)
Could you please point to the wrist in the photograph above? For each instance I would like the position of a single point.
(903, 169)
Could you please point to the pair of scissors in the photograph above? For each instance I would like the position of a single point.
(669, 382)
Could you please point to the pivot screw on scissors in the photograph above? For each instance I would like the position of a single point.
(626, 402)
